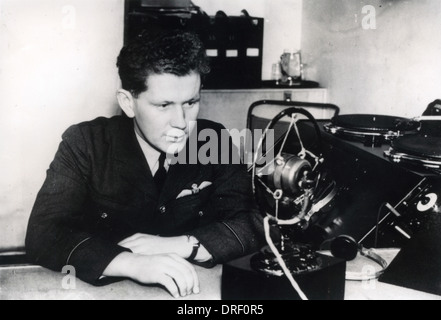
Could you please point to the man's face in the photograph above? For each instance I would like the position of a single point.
(163, 113)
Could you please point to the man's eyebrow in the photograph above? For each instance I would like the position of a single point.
(162, 102)
(195, 98)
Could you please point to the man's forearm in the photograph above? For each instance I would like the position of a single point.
(144, 244)
(120, 266)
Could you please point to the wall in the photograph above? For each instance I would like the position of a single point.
(230, 107)
(282, 24)
(394, 69)
(57, 67)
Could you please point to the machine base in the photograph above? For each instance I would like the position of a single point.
(241, 282)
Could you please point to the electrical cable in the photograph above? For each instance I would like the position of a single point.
(281, 261)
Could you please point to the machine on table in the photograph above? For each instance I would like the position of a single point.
(385, 172)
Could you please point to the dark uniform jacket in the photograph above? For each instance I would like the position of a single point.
(99, 190)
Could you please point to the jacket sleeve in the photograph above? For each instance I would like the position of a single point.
(56, 234)
(238, 230)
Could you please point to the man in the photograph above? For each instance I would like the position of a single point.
(113, 204)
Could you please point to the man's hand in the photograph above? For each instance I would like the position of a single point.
(176, 274)
(146, 244)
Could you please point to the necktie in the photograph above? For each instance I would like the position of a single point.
(161, 174)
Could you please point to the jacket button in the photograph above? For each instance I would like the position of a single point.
(162, 209)
(104, 215)
(201, 213)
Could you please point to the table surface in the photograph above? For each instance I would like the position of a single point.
(36, 283)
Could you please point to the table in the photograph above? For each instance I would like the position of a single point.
(37, 283)
(375, 290)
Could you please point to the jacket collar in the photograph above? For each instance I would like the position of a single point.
(133, 166)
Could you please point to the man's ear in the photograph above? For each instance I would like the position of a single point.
(126, 102)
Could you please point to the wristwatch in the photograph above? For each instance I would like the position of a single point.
(196, 246)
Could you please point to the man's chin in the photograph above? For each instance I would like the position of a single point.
(175, 148)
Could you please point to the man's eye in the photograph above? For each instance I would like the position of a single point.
(191, 104)
(162, 106)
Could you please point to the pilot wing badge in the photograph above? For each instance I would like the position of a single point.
(195, 189)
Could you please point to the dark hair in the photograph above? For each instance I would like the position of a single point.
(175, 52)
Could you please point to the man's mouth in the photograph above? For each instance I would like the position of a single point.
(175, 139)
(175, 136)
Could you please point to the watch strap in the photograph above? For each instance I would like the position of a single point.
(194, 252)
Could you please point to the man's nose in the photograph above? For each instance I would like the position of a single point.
(178, 119)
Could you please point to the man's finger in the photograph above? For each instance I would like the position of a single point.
(170, 285)
(181, 276)
(131, 244)
(192, 272)
(129, 239)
